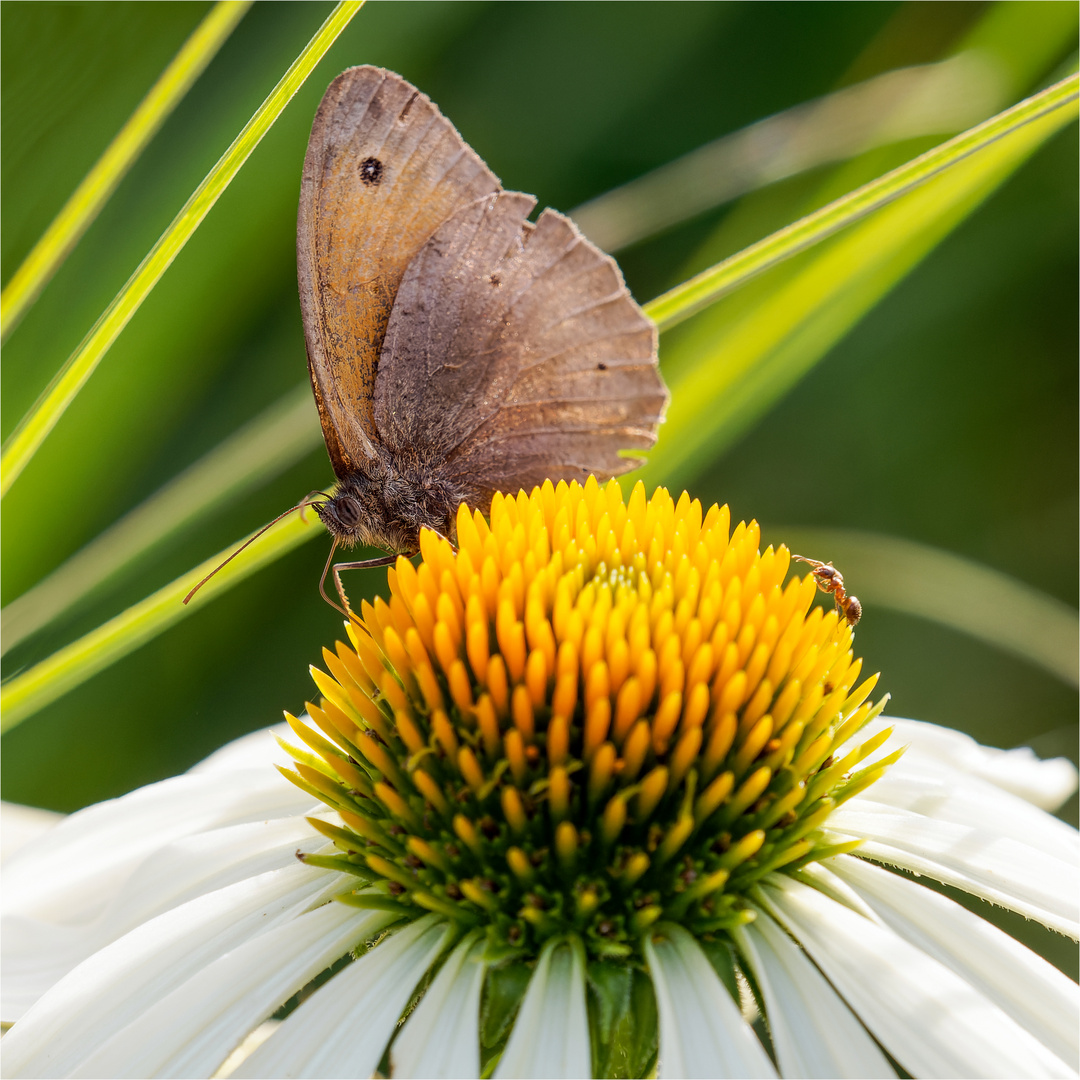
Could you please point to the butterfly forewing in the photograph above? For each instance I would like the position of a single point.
(516, 354)
(384, 169)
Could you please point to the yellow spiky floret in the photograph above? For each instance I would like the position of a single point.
(591, 715)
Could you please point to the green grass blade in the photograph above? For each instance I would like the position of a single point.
(101, 181)
(264, 448)
(36, 425)
(65, 669)
(699, 292)
(888, 572)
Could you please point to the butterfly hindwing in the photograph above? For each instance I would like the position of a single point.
(516, 354)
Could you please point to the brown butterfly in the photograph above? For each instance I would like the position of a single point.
(455, 348)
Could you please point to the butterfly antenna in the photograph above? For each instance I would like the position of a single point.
(308, 501)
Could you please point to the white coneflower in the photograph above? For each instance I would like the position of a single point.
(594, 794)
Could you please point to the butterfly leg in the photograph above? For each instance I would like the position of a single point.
(362, 564)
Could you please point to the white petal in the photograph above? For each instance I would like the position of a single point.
(442, 1036)
(343, 1028)
(258, 749)
(927, 787)
(195, 865)
(813, 1031)
(38, 953)
(1033, 992)
(191, 1031)
(1047, 784)
(999, 869)
(551, 1032)
(112, 987)
(930, 1020)
(19, 825)
(91, 854)
(702, 1032)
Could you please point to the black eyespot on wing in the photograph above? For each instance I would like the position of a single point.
(601, 367)
(371, 171)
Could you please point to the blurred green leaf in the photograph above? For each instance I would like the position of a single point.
(931, 99)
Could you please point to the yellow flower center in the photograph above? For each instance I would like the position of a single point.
(594, 715)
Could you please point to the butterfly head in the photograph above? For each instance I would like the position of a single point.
(351, 518)
(382, 510)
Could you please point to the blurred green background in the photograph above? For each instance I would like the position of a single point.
(946, 416)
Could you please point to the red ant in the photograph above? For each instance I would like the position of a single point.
(830, 580)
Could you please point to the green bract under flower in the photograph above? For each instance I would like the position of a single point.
(593, 717)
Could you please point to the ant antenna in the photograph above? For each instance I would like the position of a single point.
(308, 501)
